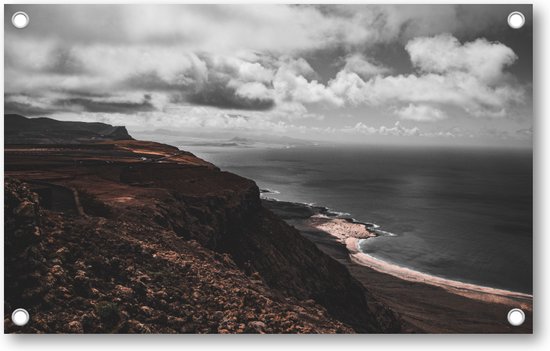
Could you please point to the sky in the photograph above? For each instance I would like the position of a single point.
(405, 74)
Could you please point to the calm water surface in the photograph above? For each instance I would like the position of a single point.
(457, 213)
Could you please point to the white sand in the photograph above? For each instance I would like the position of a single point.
(349, 234)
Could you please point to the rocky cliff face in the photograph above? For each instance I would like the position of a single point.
(232, 220)
(132, 236)
(99, 275)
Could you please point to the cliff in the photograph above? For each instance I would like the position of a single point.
(22, 130)
(132, 236)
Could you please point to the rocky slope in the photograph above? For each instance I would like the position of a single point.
(130, 236)
(94, 275)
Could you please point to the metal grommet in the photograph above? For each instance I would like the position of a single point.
(516, 317)
(516, 19)
(20, 317)
(20, 20)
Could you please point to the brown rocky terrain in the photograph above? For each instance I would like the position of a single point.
(135, 237)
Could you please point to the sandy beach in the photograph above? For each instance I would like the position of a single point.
(425, 302)
(482, 293)
(350, 234)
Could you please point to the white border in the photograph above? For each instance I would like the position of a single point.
(540, 340)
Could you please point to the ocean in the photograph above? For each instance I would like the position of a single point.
(458, 213)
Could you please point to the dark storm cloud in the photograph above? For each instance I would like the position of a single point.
(26, 109)
(79, 93)
(215, 84)
(224, 97)
(151, 81)
(220, 90)
(440, 65)
(106, 106)
(30, 105)
(65, 63)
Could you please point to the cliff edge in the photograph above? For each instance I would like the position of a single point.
(133, 236)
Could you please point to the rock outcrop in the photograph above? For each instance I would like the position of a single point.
(98, 275)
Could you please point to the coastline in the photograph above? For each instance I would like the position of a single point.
(329, 230)
(473, 291)
(219, 262)
(211, 225)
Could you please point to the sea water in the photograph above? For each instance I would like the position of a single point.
(458, 213)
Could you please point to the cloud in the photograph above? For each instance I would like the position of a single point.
(357, 63)
(443, 54)
(296, 66)
(470, 76)
(276, 28)
(396, 130)
(77, 103)
(290, 84)
(233, 84)
(441, 79)
(205, 79)
(224, 96)
(525, 132)
(254, 90)
(28, 105)
(186, 119)
(26, 109)
(421, 113)
(92, 105)
(280, 29)
(268, 65)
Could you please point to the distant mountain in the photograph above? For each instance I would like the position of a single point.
(22, 130)
(240, 140)
(285, 140)
(206, 137)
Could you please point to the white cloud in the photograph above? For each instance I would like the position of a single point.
(254, 90)
(297, 66)
(396, 130)
(421, 113)
(280, 29)
(291, 85)
(481, 93)
(255, 59)
(470, 76)
(358, 64)
(274, 28)
(443, 53)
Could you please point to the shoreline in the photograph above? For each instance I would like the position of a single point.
(313, 222)
(469, 290)
(351, 232)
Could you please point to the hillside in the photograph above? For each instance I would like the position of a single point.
(132, 236)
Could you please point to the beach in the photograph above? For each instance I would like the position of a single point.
(426, 303)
